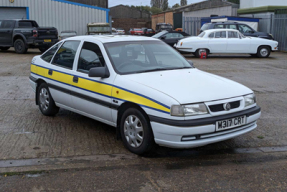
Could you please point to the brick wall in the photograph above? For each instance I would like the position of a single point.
(166, 17)
(127, 23)
(122, 11)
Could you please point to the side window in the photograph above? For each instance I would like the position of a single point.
(220, 34)
(232, 34)
(231, 27)
(244, 28)
(219, 27)
(211, 35)
(66, 54)
(7, 24)
(50, 53)
(90, 57)
(172, 35)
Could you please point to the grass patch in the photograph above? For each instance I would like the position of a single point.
(260, 137)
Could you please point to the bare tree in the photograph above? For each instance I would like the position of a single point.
(161, 4)
(183, 2)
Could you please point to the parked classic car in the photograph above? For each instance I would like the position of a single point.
(226, 41)
(145, 89)
(171, 37)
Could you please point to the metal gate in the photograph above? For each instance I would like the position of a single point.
(279, 29)
(192, 25)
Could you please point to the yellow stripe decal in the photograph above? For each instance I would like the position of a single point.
(100, 88)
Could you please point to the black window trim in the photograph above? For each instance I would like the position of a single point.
(57, 51)
(54, 53)
(81, 70)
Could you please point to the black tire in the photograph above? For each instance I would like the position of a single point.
(4, 48)
(199, 51)
(43, 49)
(20, 46)
(127, 132)
(44, 96)
(263, 52)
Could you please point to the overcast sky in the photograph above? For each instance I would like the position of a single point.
(145, 2)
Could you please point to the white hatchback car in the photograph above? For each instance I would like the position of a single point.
(145, 89)
(226, 41)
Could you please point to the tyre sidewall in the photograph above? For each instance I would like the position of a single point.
(148, 140)
(52, 108)
(23, 50)
(262, 47)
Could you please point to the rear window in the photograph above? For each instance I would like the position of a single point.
(27, 24)
(205, 26)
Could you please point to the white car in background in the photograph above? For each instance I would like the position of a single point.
(143, 88)
(226, 41)
(120, 31)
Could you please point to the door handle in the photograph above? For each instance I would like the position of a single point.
(8, 31)
(75, 79)
(50, 72)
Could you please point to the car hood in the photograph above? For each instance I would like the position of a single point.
(190, 85)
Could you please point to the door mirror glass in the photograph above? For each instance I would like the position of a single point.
(102, 72)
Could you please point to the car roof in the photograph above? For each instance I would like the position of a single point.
(225, 22)
(215, 30)
(113, 38)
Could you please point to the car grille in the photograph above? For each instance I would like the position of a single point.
(219, 107)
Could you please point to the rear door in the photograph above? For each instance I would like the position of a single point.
(6, 32)
(61, 73)
(92, 95)
(218, 42)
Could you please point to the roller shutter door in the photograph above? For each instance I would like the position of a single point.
(12, 13)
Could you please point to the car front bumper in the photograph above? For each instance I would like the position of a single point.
(176, 134)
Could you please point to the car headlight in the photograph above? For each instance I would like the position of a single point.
(188, 110)
(249, 99)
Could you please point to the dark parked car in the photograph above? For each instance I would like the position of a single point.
(172, 37)
(243, 28)
(148, 32)
(24, 34)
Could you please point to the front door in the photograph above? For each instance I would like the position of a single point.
(91, 95)
(237, 44)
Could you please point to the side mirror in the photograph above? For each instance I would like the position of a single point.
(191, 63)
(163, 37)
(102, 72)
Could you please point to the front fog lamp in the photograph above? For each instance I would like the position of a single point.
(188, 110)
(249, 99)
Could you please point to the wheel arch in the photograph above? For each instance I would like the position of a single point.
(39, 82)
(264, 46)
(19, 36)
(123, 107)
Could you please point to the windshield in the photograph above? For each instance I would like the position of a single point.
(144, 56)
(158, 35)
(205, 26)
(99, 29)
(201, 34)
(68, 34)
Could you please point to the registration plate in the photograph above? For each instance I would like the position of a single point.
(230, 123)
(47, 40)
